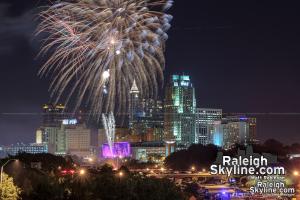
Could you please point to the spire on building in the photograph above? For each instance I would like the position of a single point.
(134, 88)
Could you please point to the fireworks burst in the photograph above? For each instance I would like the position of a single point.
(99, 47)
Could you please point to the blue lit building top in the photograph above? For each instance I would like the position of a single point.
(181, 81)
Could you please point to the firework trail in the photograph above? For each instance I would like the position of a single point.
(99, 47)
(109, 127)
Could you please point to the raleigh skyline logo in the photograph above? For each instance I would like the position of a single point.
(246, 163)
(264, 175)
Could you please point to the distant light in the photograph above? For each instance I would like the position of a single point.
(118, 52)
(243, 118)
(69, 122)
(296, 173)
(121, 174)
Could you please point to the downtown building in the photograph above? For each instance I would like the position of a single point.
(78, 141)
(32, 148)
(234, 130)
(63, 134)
(146, 117)
(53, 114)
(146, 128)
(205, 121)
(70, 138)
(149, 151)
(51, 131)
(179, 111)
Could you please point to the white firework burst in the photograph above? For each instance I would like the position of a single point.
(98, 47)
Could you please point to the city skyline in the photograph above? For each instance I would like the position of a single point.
(227, 73)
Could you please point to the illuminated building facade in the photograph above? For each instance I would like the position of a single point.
(78, 140)
(134, 105)
(32, 148)
(40, 136)
(119, 150)
(170, 147)
(149, 151)
(150, 125)
(152, 107)
(234, 130)
(153, 120)
(179, 111)
(205, 119)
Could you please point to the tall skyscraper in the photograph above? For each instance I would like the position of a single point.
(179, 107)
(151, 123)
(152, 107)
(205, 119)
(134, 104)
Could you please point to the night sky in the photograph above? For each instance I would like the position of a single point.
(243, 56)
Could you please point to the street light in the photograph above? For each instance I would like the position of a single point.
(2, 167)
(193, 168)
(82, 172)
(296, 173)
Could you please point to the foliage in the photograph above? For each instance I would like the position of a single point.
(135, 164)
(196, 155)
(104, 184)
(8, 190)
(133, 186)
(49, 162)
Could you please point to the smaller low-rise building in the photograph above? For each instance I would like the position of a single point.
(149, 151)
(32, 148)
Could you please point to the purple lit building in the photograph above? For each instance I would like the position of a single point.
(120, 149)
